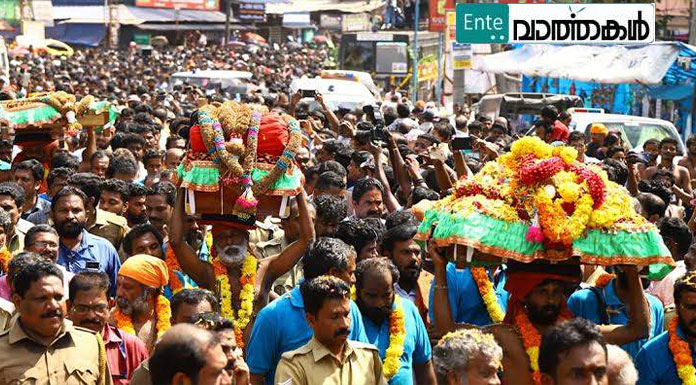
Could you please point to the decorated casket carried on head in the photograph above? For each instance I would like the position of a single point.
(240, 166)
(539, 203)
(46, 116)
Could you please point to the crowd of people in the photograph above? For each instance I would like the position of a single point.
(106, 279)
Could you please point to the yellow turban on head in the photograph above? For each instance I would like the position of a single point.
(599, 128)
(146, 269)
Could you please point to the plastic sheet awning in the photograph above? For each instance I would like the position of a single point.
(347, 6)
(643, 64)
(88, 34)
(128, 15)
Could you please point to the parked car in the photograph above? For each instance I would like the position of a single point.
(232, 82)
(634, 130)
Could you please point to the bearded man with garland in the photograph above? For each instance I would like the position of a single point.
(669, 357)
(234, 263)
(141, 307)
(538, 300)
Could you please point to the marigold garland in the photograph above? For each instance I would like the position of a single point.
(485, 288)
(246, 308)
(681, 353)
(397, 337)
(163, 315)
(532, 339)
(545, 188)
(173, 266)
(603, 280)
(5, 257)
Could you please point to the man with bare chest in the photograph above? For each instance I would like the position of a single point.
(682, 180)
(689, 162)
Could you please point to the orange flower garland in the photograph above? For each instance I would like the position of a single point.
(604, 280)
(173, 267)
(397, 337)
(681, 352)
(531, 340)
(5, 257)
(163, 316)
(485, 288)
(246, 295)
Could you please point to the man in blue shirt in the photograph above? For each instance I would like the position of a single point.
(378, 303)
(465, 301)
(398, 245)
(281, 326)
(655, 360)
(605, 306)
(77, 246)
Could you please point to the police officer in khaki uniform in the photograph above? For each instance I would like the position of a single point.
(99, 222)
(41, 346)
(329, 358)
(7, 312)
(110, 226)
(273, 235)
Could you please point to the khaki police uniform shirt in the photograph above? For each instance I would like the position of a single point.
(16, 243)
(313, 364)
(7, 312)
(268, 240)
(73, 358)
(110, 226)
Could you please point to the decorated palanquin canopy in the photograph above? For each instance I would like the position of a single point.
(537, 202)
(240, 167)
(46, 111)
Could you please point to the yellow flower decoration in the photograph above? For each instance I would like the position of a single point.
(568, 154)
(681, 354)
(397, 337)
(246, 295)
(485, 287)
(531, 145)
(163, 316)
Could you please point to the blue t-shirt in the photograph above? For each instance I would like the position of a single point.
(92, 248)
(655, 362)
(417, 348)
(464, 297)
(584, 303)
(281, 326)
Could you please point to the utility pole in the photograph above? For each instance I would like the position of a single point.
(414, 79)
(228, 14)
(692, 25)
(692, 40)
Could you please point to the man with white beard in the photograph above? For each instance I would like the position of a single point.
(233, 261)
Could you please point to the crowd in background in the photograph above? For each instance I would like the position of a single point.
(96, 239)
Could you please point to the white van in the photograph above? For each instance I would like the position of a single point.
(337, 93)
(635, 130)
(359, 76)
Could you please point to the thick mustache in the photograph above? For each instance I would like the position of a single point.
(342, 332)
(52, 314)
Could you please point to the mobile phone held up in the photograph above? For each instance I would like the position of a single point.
(309, 93)
(463, 143)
